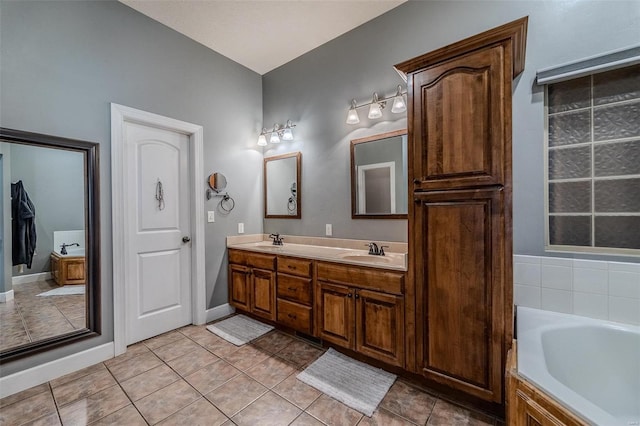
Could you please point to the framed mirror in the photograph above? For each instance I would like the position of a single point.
(282, 183)
(50, 242)
(379, 176)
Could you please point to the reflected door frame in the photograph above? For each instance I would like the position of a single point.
(119, 116)
(362, 185)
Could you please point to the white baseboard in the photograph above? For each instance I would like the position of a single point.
(6, 296)
(219, 312)
(26, 379)
(31, 278)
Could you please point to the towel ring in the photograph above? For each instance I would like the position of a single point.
(227, 203)
(291, 205)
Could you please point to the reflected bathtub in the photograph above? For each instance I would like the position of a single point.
(592, 367)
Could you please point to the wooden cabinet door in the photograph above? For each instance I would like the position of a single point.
(263, 287)
(380, 326)
(459, 136)
(530, 413)
(460, 289)
(335, 306)
(240, 291)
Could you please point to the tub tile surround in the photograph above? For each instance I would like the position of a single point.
(595, 289)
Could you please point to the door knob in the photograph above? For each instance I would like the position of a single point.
(186, 239)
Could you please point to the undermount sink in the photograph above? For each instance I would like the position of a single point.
(366, 258)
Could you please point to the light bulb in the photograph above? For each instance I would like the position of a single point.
(262, 139)
(399, 105)
(352, 115)
(375, 111)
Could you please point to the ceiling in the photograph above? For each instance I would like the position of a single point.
(262, 34)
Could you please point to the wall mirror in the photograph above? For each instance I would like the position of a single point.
(49, 243)
(282, 180)
(379, 176)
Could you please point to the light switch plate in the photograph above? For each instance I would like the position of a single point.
(211, 216)
(328, 230)
(241, 228)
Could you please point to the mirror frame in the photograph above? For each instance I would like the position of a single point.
(298, 156)
(92, 209)
(354, 178)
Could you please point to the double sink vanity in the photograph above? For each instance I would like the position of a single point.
(328, 289)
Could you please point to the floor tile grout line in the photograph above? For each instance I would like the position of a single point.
(125, 394)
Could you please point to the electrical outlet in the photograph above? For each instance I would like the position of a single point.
(328, 230)
(211, 216)
(241, 228)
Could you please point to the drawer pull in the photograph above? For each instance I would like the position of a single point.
(291, 288)
(291, 267)
(292, 316)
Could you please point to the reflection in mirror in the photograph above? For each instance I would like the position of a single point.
(49, 288)
(379, 176)
(217, 181)
(282, 186)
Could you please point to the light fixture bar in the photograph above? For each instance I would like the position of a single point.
(279, 132)
(354, 105)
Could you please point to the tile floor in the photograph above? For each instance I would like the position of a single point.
(29, 317)
(192, 377)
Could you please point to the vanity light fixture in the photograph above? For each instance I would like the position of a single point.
(277, 133)
(376, 106)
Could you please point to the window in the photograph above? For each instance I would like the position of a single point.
(593, 162)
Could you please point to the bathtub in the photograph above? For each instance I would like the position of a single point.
(592, 367)
(72, 252)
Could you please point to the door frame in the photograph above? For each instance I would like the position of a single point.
(120, 115)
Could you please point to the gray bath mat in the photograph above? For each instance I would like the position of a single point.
(239, 329)
(64, 291)
(356, 384)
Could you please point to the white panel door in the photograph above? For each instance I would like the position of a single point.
(158, 287)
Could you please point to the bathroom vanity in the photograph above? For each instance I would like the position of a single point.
(340, 295)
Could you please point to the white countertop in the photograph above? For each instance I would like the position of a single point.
(391, 260)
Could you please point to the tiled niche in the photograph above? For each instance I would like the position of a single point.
(595, 289)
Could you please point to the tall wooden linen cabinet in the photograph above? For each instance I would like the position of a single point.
(460, 232)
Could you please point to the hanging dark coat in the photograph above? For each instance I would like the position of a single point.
(23, 222)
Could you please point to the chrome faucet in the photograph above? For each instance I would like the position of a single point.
(277, 239)
(374, 250)
(63, 247)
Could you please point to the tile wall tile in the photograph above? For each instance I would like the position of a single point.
(591, 305)
(595, 289)
(556, 300)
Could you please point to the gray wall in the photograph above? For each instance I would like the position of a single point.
(54, 181)
(64, 62)
(315, 91)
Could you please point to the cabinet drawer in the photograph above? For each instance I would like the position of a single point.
(288, 265)
(374, 279)
(255, 260)
(295, 316)
(295, 288)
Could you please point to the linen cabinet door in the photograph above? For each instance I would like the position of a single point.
(263, 300)
(460, 291)
(335, 309)
(240, 292)
(460, 135)
(380, 326)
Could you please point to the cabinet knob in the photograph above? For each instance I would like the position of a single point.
(348, 294)
(416, 181)
(357, 296)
